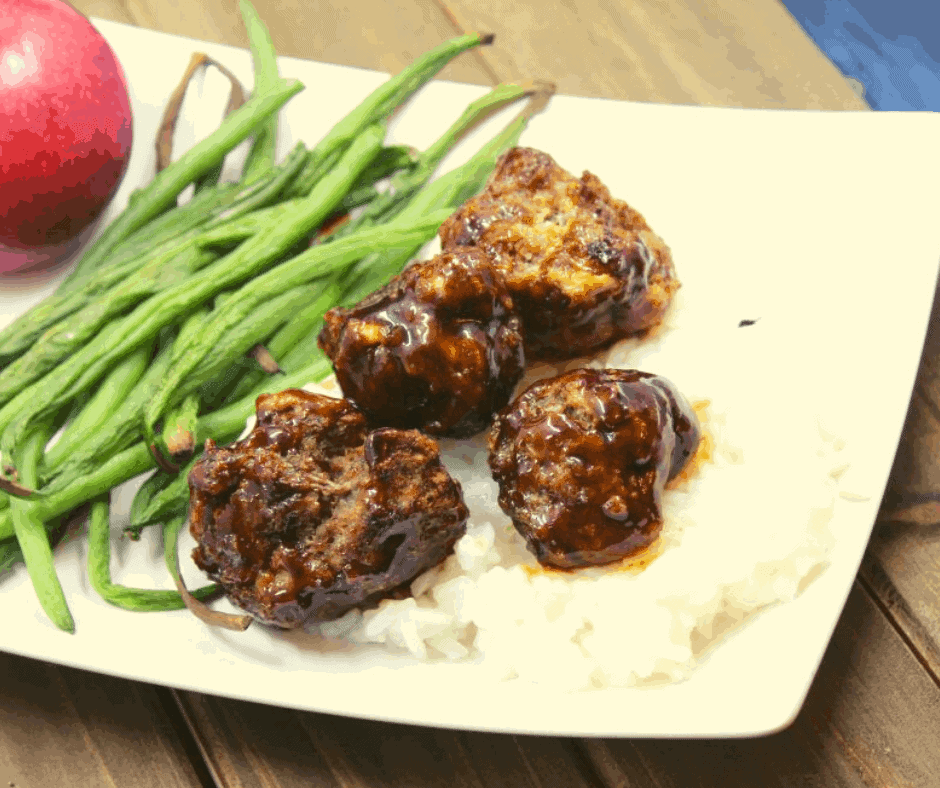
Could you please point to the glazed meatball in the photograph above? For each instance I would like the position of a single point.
(583, 268)
(439, 348)
(313, 514)
(582, 460)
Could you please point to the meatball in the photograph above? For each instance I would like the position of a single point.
(583, 268)
(582, 460)
(313, 514)
(439, 348)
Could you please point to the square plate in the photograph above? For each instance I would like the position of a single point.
(822, 225)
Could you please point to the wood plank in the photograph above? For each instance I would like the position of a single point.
(870, 720)
(250, 744)
(60, 726)
(385, 36)
(902, 559)
(712, 52)
(686, 51)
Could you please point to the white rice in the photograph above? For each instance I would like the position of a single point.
(731, 544)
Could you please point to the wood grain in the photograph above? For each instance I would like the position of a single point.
(377, 35)
(247, 744)
(684, 51)
(903, 558)
(60, 726)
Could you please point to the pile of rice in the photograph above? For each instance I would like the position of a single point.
(735, 540)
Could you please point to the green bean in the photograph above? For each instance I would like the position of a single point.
(161, 496)
(405, 185)
(144, 499)
(33, 539)
(99, 572)
(171, 535)
(96, 412)
(71, 335)
(179, 429)
(295, 272)
(302, 324)
(222, 426)
(129, 254)
(123, 424)
(252, 330)
(240, 228)
(274, 188)
(29, 328)
(381, 103)
(262, 152)
(449, 191)
(162, 191)
(84, 368)
(318, 259)
(10, 554)
(388, 161)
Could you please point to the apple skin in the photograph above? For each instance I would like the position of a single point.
(65, 130)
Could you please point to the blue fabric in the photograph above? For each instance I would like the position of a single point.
(891, 46)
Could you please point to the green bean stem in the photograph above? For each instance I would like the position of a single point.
(179, 430)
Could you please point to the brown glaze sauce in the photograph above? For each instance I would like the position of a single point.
(438, 349)
(582, 461)
(705, 451)
(583, 268)
(314, 513)
(636, 563)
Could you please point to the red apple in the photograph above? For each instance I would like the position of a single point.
(65, 130)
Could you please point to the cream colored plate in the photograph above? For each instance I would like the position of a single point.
(823, 225)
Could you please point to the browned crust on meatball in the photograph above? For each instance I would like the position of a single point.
(313, 514)
(438, 349)
(582, 461)
(583, 268)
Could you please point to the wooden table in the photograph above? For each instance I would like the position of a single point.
(873, 715)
